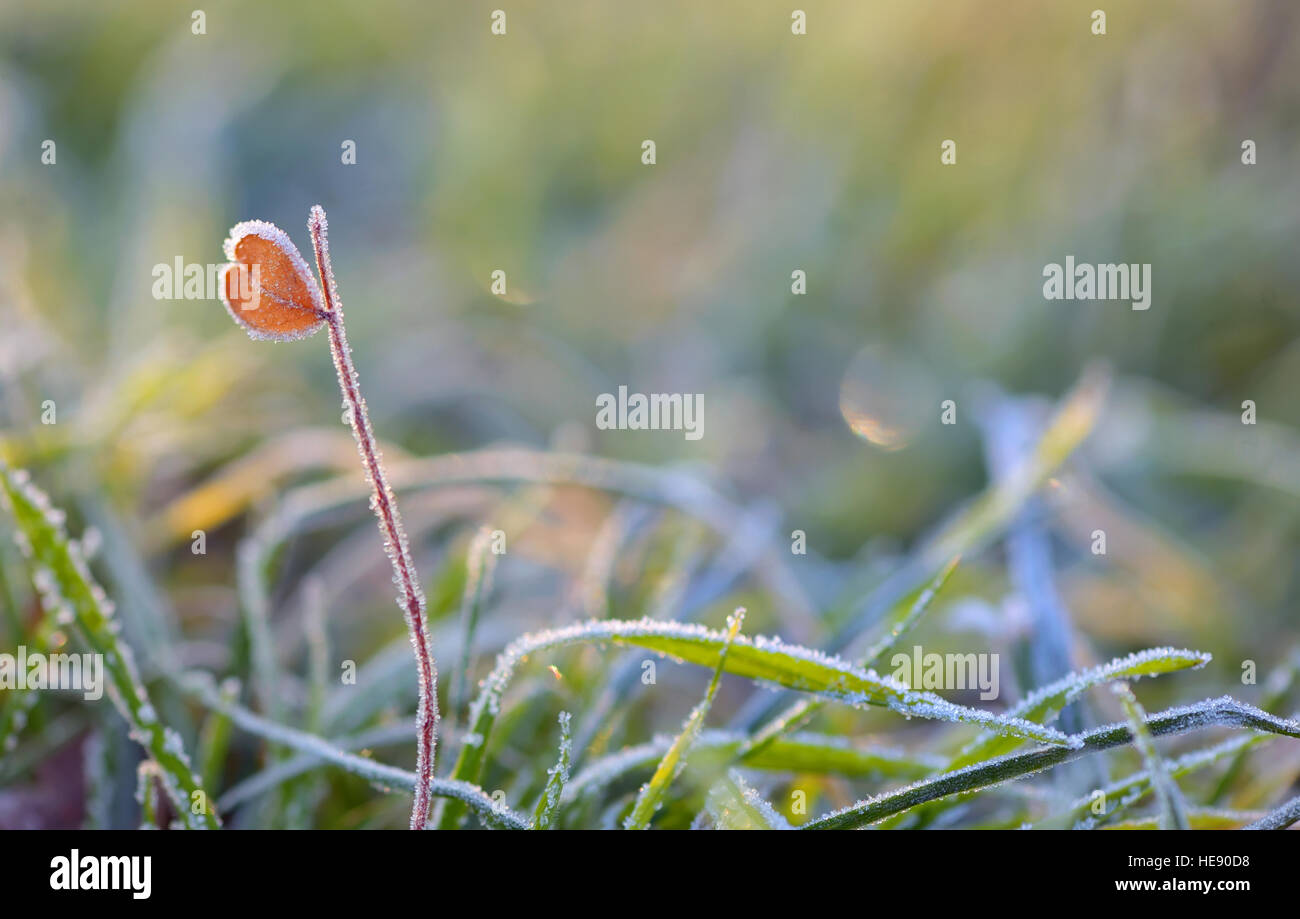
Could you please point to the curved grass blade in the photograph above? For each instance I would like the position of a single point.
(1276, 689)
(911, 615)
(68, 586)
(548, 806)
(647, 802)
(1043, 705)
(801, 711)
(1224, 710)
(493, 814)
(1173, 812)
(1133, 788)
(512, 466)
(277, 774)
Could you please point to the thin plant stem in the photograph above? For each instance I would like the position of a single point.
(384, 503)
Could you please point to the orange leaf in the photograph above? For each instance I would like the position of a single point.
(268, 288)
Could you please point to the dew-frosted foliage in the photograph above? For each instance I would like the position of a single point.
(626, 697)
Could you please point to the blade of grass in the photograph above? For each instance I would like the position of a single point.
(1224, 711)
(1173, 812)
(1277, 688)
(598, 721)
(1008, 426)
(69, 585)
(17, 707)
(214, 740)
(480, 562)
(276, 774)
(801, 711)
(99, 789)
(548, 805)
(911, 615)
(1132, 788)
(199, 686)
(514, 466)
(1042, 706)
(647, 802)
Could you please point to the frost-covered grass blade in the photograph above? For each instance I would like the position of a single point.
(1224, 711)
(548, 806)
(1173, 812)
(68, 587)
(1043, 705)
(647, 802)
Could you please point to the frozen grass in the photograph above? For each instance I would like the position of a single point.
(783, 729)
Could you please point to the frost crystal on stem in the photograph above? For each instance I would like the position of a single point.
(410, 597)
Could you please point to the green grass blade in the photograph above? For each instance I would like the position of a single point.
(1173, 812)
(1083, 812)
(548, 806)
(214, 740)
(276, 774)
(1043, 705)
(58, 565)
(480, 562)
(647, 802)
(900, 625)
(911, 615)
(1276, 689)
(199, 686)
(1225, 711)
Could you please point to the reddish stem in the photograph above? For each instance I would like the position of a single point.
(390, 522)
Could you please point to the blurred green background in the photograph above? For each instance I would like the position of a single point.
(775, 152)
